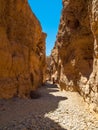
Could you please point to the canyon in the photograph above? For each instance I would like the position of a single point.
(56, 92)
(74, 59)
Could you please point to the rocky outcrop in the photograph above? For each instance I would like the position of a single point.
(75, 55)
(22, 49)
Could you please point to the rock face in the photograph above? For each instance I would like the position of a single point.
(48, 68)
(75, 55)
(22, 49)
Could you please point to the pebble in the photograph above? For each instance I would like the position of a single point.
(69, 114)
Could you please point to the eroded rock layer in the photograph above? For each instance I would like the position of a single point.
(75, 55)
(22, 49)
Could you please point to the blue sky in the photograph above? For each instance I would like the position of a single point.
(48, 12)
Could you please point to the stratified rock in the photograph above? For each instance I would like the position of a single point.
(75, 55)
(22, 49)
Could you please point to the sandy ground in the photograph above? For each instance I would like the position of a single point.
(53, 110)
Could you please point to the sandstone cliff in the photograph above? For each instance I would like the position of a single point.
(75, 55)
(22, 49)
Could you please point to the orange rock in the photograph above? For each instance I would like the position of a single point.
(22, 49)
(75, 55)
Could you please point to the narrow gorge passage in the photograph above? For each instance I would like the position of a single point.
(27, 101)
(53, 110)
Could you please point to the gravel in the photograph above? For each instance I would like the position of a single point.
(53, 110)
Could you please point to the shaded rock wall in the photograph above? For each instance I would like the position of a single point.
(48, 69)
(75, 55)
(22, 49)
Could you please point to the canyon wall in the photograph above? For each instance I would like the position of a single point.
(22, 49)
(75, 54)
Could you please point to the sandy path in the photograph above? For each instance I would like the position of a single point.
(54, 110)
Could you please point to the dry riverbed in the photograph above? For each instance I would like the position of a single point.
(53, 110)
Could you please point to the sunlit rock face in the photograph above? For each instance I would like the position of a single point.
(75, 55)
(22, 49)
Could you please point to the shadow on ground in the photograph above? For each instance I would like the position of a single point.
(29, 114)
